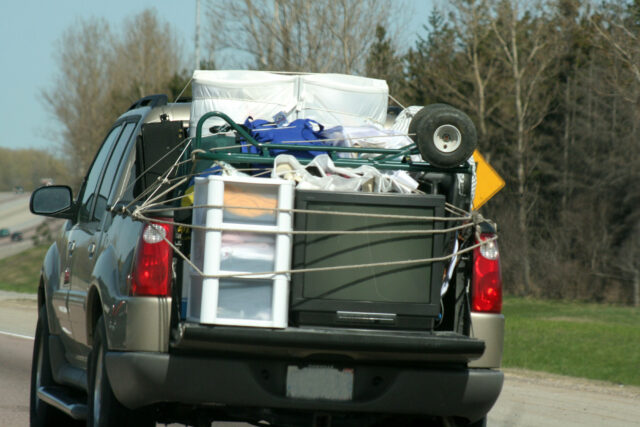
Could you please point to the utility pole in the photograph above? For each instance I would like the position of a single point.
(197, 58)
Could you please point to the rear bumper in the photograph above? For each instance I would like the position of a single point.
(247, 368)
(488, 327)
(140, 379)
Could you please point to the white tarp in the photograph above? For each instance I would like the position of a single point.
(330, 99)
(343, 100)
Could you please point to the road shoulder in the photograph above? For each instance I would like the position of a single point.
(18, 313)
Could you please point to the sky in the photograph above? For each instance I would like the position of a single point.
(29, 30)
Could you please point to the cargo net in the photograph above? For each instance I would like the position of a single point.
(167, 193)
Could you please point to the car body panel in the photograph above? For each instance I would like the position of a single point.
(488, 327)
(139, 324)
(54, 290)
(81, 278)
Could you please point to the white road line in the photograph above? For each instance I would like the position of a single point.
(11, 334)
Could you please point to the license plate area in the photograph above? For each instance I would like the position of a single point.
(319, 382)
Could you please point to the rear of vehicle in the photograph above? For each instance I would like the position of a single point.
(361, 346)
(390, 312)
(391, 337)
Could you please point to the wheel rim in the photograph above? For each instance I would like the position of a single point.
(447, 138)
(97, 388)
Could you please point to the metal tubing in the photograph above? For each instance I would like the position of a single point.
(387, 159)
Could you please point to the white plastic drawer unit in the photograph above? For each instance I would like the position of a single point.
(245, 234)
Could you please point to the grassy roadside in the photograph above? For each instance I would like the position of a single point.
(576, 339)
(21, 272)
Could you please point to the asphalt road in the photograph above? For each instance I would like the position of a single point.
(15, 367)
(528, 399)
(543, 400)
(15, 216)
(17, 326)
(15, 212)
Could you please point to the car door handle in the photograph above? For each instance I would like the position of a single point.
(91, 249)
(71, 247)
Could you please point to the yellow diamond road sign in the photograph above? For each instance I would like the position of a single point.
(488, 181)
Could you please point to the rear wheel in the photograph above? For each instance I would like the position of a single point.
(104, 410)
(482, 422)
(41, 413)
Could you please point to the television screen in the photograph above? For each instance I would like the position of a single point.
(392, 290)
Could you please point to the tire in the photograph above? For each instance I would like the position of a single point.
(445, 136)
(41, 413)
(413, 125)
(482, 422)
(104, 410)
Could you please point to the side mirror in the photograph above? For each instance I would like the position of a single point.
(54, 201)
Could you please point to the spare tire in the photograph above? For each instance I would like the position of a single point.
(445, 136)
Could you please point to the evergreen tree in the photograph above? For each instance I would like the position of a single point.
(383, 63)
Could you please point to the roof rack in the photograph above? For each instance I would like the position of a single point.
(150, 101)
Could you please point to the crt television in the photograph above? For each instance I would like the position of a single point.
(392, 296)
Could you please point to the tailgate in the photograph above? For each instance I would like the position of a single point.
(354, 344)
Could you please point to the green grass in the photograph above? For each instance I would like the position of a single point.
(21, 272)
(593, 341)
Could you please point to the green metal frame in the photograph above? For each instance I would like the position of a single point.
(387, 159)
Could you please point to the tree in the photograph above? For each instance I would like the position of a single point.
(526, 43)
(495, 60)
(428, 60)
(458, 61)
(145, 59)
(17, 169)
(299, 35)
(101, 72)
(554, 89)
(384, 63)
(81, 89)
(616, 36)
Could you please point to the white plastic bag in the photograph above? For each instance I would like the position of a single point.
(370, 136)
(333, 178)
(367, 136)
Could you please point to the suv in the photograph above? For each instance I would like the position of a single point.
(114, 346)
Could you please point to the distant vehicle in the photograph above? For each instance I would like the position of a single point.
(46, 181)
(16, 237)
(4, 232)
(18, 189)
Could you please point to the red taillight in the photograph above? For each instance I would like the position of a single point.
(151, 274)
(487, 278)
